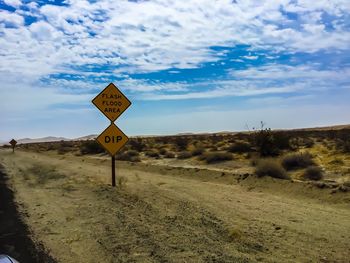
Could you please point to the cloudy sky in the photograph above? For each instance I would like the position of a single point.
(187, 66)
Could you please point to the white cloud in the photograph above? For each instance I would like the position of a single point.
(14, 3)
(10, 19)
(251, 57)
(146, 36)
(287, 72)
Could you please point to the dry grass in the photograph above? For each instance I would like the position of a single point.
(297, 160)
(177, 214)
(314, 173)
(272, 168)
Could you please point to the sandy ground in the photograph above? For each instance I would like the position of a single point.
(167, 214)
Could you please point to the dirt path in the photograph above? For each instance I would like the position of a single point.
(162, 214)
(15, 239)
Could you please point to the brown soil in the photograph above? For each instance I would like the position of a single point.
(160, 213)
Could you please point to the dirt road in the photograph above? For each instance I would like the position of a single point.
(165, 214)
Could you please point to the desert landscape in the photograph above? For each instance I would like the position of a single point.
(174, 131)
(258, 196)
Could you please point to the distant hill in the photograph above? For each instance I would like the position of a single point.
(86, 138)
(93, 136)
(326, 128)
(44, 139)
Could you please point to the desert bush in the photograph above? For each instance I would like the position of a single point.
(62, 147)
(220, 144)
(121, 181)
(163, 151)
(184, 155)
(270, 168)
(131, 156)
(240, 147)
(197, 151)
(215, 157)
(91, 147)
(268, 142)
(313, 173)
(43, 174)
(169, 155)
(64, 150)
(137, 144)
(336, 161)
(152, 153)
(298, 142)
(181, 142)
(297, 160)
(345, 146)
(308, 142)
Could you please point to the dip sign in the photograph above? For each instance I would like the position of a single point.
(112, 103)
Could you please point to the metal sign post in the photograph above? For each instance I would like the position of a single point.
(13, 143)
(112, 103)
(113, 171)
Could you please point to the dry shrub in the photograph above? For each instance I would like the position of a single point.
(121, 181)
(215, 157)
(297, 160)
(169, 155)
(184, 155)
(91, 147)
(270, 168)
(313, 173)
(152, 153)
(337, 161)
(181, 142)
(268, 142)
(197, 151)
(131, 156)
(163, 151)
(240, 147)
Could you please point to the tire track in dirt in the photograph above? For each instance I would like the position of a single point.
(139, 231)
(15, 238)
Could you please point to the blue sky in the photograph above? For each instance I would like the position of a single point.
(187, 66)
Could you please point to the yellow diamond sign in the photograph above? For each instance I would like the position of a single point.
(112, 139)
(13, 142)
(111, 102)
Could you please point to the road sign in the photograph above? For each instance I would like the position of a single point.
(112, 139)
(111, 102)
(13, 142)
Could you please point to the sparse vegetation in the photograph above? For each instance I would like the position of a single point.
(181, 142)
(42, 174)
(215, 157)
(184, 155)
(137, 144)
(169, 155)
(131, 156)
(163, 151)
(197, 151)
(297, 160)
(152, 153)
(269, 167)
(336, 161)
(91, 147)
(240, 147)
(268, 142)
(313, 173)
(121, 182)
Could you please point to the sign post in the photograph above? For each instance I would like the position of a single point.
(113, 171)
(112, 103)
(13, 143)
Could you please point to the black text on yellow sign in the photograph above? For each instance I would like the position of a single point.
(111, 102)
(112, 139)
